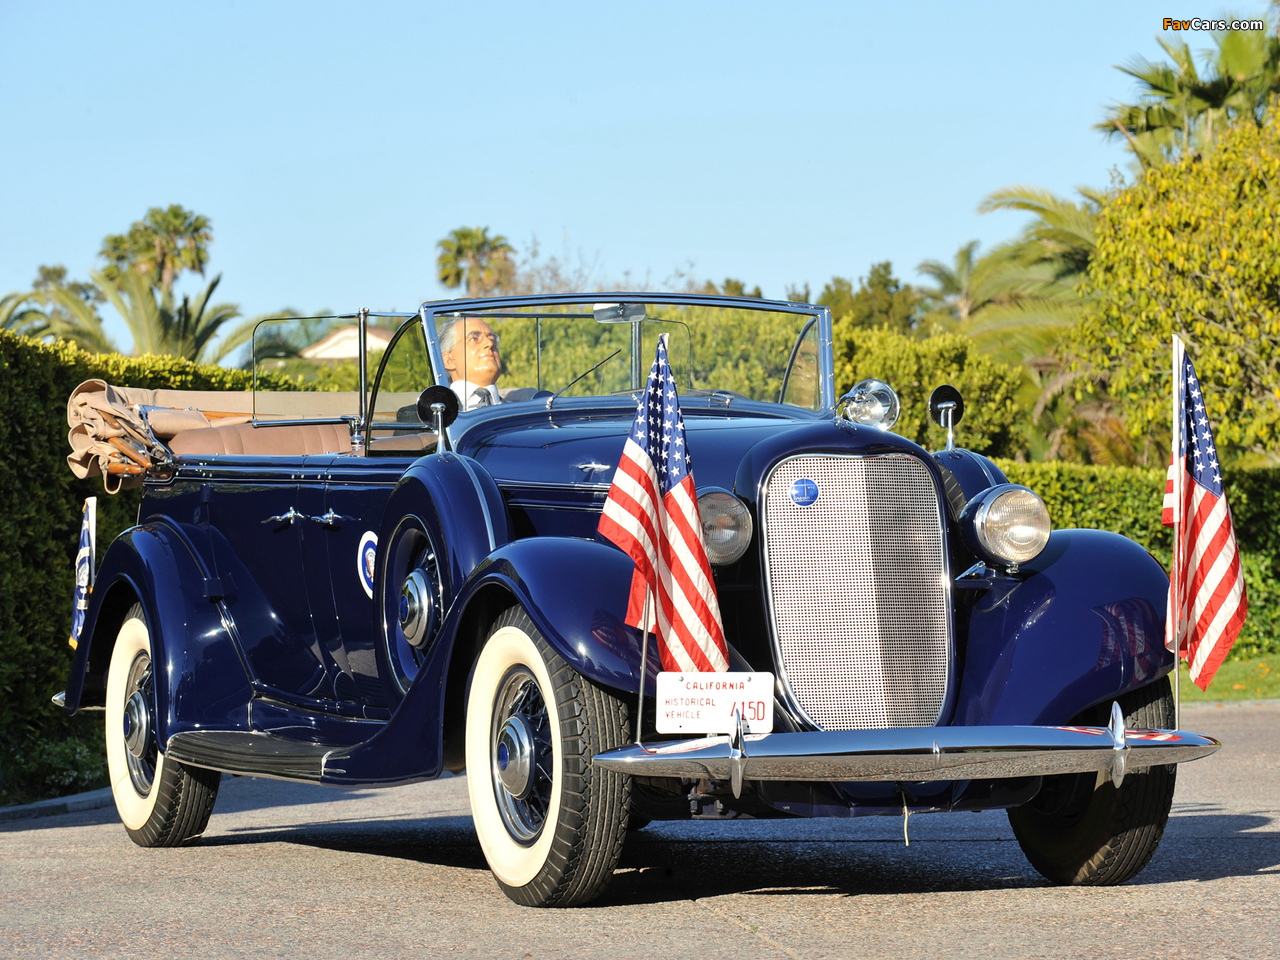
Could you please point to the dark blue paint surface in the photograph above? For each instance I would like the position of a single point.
(267, 626)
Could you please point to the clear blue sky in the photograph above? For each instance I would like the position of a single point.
(333, 144)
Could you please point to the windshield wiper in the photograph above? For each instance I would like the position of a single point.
(580, 376)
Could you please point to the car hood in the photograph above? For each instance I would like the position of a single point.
(585, 449)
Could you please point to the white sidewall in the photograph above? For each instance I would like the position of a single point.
(512, 863)
(134, 809)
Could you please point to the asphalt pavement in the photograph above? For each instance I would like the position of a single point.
(294, 871)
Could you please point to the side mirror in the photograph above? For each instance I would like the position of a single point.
(618, 312)
(439, 406)
(946, 407)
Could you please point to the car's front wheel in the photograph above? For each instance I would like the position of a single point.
(551, 824)
(1081, 829)
(162, 803)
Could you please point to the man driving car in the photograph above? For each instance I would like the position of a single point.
(470, 350)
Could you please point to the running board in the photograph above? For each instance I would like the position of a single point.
(252, 754)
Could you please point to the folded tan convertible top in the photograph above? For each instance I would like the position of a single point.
(116, 432)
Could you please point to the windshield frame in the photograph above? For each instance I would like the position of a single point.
(432, 311)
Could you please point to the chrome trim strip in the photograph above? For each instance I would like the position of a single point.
(550, 505)
(302, 423)
(762, 498)
(913, 754)
(484, 504)
(557, 487)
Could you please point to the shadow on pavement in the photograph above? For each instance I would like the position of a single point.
(235, 795)
(657, 869)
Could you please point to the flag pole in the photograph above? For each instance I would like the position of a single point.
(1175, 580)
(644, 663)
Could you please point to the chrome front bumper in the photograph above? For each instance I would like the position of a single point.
(912, 754)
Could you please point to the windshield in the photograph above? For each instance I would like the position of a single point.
(514, 352)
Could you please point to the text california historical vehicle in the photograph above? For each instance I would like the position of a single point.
(374, 587)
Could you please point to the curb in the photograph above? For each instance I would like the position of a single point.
(76, 803)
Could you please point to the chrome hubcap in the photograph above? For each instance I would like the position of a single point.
(137, 724)
(138, 727)
(514, 756)
(521, 757)
(415, 608)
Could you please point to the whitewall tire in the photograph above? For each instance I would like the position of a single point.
(550, 824)
(162, 804)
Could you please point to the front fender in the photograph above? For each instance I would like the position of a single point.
(199, 675)
(1083, 623)
(576, 592)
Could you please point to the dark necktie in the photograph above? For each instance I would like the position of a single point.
(482, 397)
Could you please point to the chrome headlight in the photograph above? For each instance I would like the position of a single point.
(1007, 524)
(872, 403)
(726, 526)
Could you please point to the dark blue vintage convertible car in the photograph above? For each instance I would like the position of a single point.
(378, 586)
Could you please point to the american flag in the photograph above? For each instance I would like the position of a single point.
(652, 514)
(1206, 585)
(84, 569)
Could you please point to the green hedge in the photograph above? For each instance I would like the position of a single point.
(1128, 500)
(39, 531)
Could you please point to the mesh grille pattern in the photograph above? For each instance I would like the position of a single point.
(857, 587)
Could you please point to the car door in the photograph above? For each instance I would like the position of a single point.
(259, 540)
(348, 508)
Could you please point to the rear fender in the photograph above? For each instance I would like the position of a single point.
(457, 504)
(1081, 624)
(200, 677)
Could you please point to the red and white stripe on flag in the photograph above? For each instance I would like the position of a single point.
(652, 514)
(1206, 584)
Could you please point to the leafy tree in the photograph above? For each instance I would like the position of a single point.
(913, 366)
(159, 247)
(1180, 110)
(880, 300)
(733, 288)
(1193, 248)
(468, 255)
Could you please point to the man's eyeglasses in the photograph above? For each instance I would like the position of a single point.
(475, 337)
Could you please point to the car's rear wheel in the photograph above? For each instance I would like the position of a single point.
(550, 823)
(161, 802)
(1081, 829)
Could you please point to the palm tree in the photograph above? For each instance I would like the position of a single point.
(159, 247)
(469, 254)
(1179, 111)
(967, 286)
(160, 326)
(20, 314)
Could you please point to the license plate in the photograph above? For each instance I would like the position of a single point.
(705, 702)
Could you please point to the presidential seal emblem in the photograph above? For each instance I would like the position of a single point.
(803, 492)
(366, 557)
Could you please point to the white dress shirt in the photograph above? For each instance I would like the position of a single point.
(466, 390)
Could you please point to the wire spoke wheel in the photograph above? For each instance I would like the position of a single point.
(550, 824)
(521, 758)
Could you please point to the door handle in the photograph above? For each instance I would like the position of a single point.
(329, 518)
(288, 517)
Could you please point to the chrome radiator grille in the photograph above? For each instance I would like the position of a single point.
(857, 583)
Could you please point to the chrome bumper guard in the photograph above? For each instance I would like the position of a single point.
(913, 754)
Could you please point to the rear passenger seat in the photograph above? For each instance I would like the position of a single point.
(244, 438)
